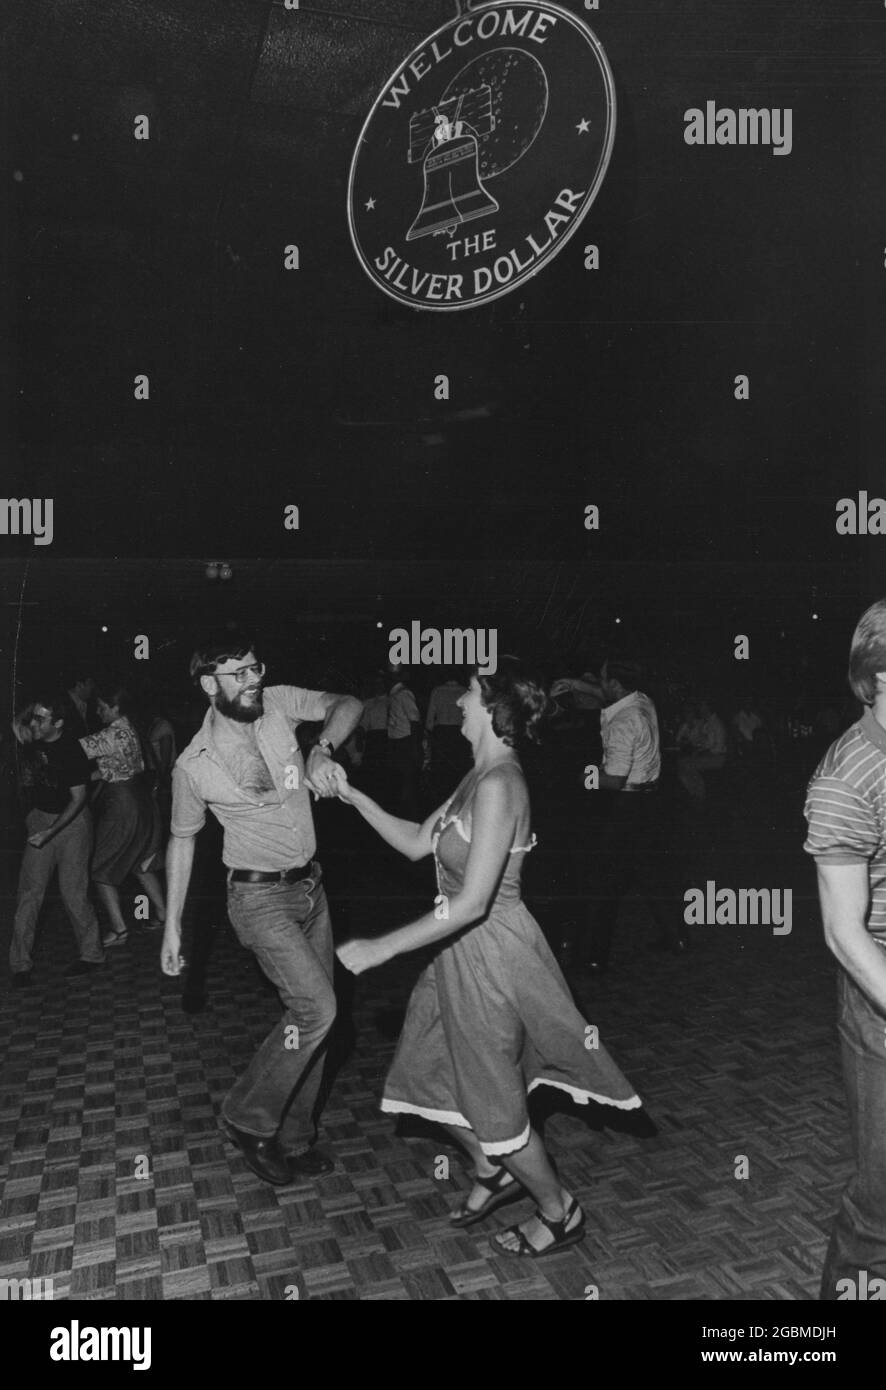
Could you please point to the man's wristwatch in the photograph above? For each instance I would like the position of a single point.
(326, 745)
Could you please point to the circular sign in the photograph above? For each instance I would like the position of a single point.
(481, 155)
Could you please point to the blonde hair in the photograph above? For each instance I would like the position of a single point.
(867, 653)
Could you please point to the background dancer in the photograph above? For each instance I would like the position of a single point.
(55, 774)
(844, 809)
(128, 831)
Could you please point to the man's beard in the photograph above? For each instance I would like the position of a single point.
(243, 714)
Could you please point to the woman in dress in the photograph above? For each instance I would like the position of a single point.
(491, 1017)
(127, 832)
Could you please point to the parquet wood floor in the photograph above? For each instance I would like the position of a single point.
(117, 1183)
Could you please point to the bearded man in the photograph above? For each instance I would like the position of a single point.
(246, 766)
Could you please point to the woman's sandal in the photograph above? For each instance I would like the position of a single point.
(500, 1191)
(562, 1238)
(114, 938)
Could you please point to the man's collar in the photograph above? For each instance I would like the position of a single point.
(873, 729)
(205, 735)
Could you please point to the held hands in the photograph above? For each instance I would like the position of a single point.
(326, 777)
(321, 770)
(343, 789)
(358, 955)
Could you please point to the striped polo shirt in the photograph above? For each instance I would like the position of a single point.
(846, 810)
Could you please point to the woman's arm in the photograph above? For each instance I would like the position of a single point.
(407, 837)
(94, 744)
(494, 823)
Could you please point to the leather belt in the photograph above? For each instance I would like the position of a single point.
(279, 876)
(640, 787)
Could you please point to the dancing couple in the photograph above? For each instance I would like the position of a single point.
(491, 1017)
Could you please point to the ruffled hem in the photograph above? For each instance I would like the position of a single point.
(452, 1117)
(441, 1117)
(584, 1097)
(505, 1146)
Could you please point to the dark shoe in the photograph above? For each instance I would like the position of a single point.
(84, 967)
(263, 1156)
(500, 1191)
(22, 979)
(312, 1163)
(114, 938)
(562, 1238)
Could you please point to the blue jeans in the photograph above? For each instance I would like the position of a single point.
(858, 1238)
(287, 928)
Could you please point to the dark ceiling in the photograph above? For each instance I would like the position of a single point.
(310, 387)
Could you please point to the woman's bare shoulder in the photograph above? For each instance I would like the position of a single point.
(506, 783)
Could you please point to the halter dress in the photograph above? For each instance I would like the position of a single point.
(491, 1017)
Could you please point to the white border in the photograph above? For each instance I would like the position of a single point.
(504, 1146)
(609, 81)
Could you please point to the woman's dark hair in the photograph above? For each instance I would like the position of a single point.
(517, 700)
(117, 695)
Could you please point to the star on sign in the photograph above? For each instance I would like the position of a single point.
(370, 206)
(583, 126)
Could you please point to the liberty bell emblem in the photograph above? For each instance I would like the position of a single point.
(446, 138)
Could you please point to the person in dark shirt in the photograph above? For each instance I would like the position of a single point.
(55, 776)
(82, 715)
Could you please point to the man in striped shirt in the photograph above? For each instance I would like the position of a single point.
(846, 812)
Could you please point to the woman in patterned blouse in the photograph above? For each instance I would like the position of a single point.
(127, 835)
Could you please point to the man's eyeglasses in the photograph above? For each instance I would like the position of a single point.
(243, 671)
